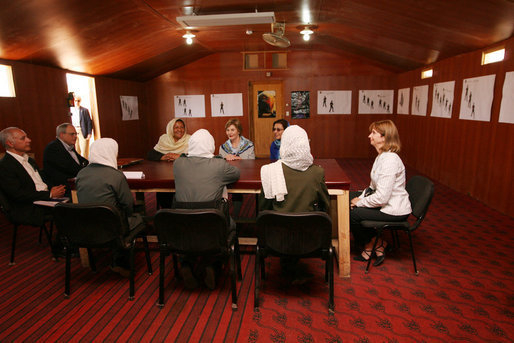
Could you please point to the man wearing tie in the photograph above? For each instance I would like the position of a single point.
(81, 120)
(61, 161)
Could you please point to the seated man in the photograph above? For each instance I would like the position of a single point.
(201, 177)
(21, 180)
(60, 160)
(294, 184)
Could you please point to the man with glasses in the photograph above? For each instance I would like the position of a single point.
(60, 160)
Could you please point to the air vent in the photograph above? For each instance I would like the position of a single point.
(227, 19)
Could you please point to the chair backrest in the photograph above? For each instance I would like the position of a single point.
(200, 231)
(421, 191)
(89, 224)
(299, 233)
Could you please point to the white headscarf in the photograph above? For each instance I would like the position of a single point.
(104, 151)
(201, 144)
(167, 143)
(295, 152)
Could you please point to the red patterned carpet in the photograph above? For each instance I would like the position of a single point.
(464, 292)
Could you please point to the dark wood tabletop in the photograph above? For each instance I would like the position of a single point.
(159, 174)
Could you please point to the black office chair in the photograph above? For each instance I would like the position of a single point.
(196, 232)
(96, 226)
(421, 191)
(297, 235)
(5, 208)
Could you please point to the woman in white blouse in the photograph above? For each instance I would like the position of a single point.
(386, 198)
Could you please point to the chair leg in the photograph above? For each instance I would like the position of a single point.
(257, 278)
(175, 266)
(147, 255)
(47, 234)
(412, 252)
(330, 266)
(91, 259)
(132, 271)
(162, 258)
(67, 272)
(13, 246)
(238, 257)
(233, 269)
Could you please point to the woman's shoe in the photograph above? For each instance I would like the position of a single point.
(361, 258)
(380, 253)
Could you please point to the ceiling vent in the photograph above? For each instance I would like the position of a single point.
(227, 19)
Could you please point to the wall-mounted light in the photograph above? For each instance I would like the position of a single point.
(306, 33)
(189, 37)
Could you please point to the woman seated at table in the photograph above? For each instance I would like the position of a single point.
(202, 178)
(102, 182)
(236, 147)
(171, 144)
(294, 184)
(278, 129)
(386, 198)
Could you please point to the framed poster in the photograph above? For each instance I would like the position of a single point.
(334, 102)
(477, 98)
(376, 101)
(189, 106)
(419, 100)
(403, 101)
(442, 99)
(129, 107)
(266, 104)
(227, 105)
(507, 105)
(300, 105)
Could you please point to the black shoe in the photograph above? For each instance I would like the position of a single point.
(361, 258)
(380, 250)
(186, 274)
(210, 278)
(121, 270)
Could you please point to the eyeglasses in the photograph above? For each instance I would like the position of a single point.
(71, 133)
(277, 129)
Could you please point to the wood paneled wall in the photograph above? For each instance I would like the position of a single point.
(476, 158)
(331, 135)
(40, 105)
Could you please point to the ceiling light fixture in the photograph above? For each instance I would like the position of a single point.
(189, 37)
(307, 32)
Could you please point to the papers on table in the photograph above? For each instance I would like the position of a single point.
(134, 174)
(51, 203)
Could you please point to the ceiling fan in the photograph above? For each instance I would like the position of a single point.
(276, 36)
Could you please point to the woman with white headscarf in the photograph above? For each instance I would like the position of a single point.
(201, 178)
(171, 144)
(102, 182)
(293, 183)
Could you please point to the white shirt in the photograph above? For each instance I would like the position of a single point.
(38, 181)
(75, 116)
(70, 149)
(388, 181)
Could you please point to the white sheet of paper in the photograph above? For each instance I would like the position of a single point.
(134, 174)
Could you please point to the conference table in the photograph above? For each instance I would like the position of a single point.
(158, 177)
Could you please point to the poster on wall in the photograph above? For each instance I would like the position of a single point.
(227, 105)
(189, 106)
(376, 101)
(129, 107)
(507, 105)
(477, 98)
(403, 100)
(300, 105)
(334, 102)
(442, 99)
(266, 104)
(419, 100)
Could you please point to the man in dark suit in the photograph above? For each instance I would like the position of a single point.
(60, 160)
(81, 120)
(20, 179)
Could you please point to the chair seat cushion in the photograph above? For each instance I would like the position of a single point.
(377, 224)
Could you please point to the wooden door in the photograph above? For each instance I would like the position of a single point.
(266, 105)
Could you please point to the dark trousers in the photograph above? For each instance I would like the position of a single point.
(364, 235)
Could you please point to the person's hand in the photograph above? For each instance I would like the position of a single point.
(88, 136)
(232, 157)
(169, 157)
(57, 191)
(354, 202)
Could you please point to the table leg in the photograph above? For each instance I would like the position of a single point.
(343, 226)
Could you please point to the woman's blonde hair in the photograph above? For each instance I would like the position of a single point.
(389, 131)
(236, 123)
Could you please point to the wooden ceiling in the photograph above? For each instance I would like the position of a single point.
(141, 39)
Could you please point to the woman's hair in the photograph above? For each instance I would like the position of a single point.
(179, 120)
(236, 123)
(389, 131)
(284, 123)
